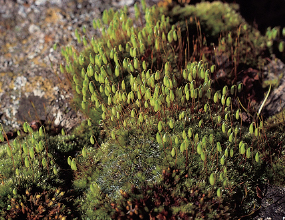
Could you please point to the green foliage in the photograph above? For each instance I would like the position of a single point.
(25, 163)
(36, 164)
(221, 34)
(158, 110)
(161, 139)
(5, 192)
(215, 17)
(48, 204)
(178, 196)
(275, 41)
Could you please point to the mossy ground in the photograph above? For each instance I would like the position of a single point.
(163, 137)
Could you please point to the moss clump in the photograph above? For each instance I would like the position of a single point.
(26, 205)
(161, 139)
(159, 109)
(215, 17)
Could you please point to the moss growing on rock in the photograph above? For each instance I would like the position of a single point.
(165, 141)
(159, 110)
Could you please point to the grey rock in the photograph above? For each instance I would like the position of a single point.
(122, 3)
(276, 100)
(33, 29)
(272, 203)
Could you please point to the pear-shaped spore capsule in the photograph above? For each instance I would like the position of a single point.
(123, 85)
(173, 152)
(157, 44)
(242, 149)
(199, 148)
(104, 58)
(219, 193)
(224, 128)
(133, 113)
(251, 128)
(76, 33)
(73, 164)
(125, 63)
(225, 90)
(237, 114)
(211, 139)
(159, 126)
(256, 157)
(41, 133)
(93, 43)
(158, 138)
(146, 104)
(212, 179)
(117, 71)
(135, 52)
(91, 58)
(81, 59)
(144, 65)
(136, 63)
(32, 153)
(222, 161)
(116, 58)
(281, 47)
(248, 153)
(212, 68)
(163, 37)
(216, 97)
(137, 11)
(109, 100)
(185, 74)
(228, 102)
(130, 68)
(114, 89)
(223, 101)
(90, 70)
(182, 147)
(240, 86)
(170, 36)
(226, 152)
(27, 164)
(171, 125)
(103, 116)
(174, 35)
(233, 89)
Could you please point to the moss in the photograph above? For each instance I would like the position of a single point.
(160, 111)
(215, 17)
(160, 139)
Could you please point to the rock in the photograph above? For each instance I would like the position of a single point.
(32, 108)
(272, 202)
(34, 29)
(276, 99)
(122, 3)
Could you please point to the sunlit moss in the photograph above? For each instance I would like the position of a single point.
(157, 128)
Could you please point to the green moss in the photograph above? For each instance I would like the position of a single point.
(161, 138)
(214, 18)
(159, 110)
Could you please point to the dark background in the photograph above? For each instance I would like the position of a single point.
(260, 13)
